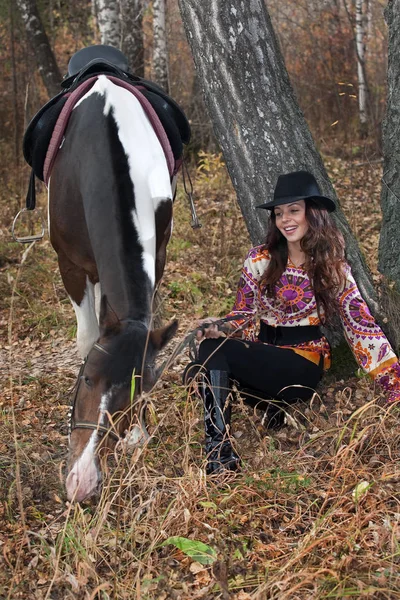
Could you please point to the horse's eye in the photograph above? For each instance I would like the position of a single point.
(87, 381)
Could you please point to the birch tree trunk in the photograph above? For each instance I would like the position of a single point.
(160, 54)
(360, 50)
(38, 40)
(132, 34)
(389, 243)
(109, 22)
(257, 120)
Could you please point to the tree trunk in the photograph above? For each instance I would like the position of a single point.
(109, 22)
(257, 120)
(41, 48)
(202, 137)
(389, 243)
(362, 84)
(362, 23)
(16, 115)
(132, 34)
(160, 54)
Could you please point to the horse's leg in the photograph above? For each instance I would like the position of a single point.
(97, 300)
(163, 219)
(82, 295)
(87, 322)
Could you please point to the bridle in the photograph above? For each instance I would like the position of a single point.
(72, 424)
(190, 340)
(102, 430)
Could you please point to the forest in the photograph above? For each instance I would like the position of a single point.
(314, 512)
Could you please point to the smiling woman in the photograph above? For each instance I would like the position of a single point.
(292, 223)
(294, 283)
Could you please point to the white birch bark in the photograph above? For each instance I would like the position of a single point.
(109, 22)
(160, 54)
(360, 46)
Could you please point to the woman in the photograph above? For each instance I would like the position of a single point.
(295, 282)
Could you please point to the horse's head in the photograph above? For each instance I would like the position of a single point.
(118, 368)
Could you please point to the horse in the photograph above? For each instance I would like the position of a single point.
(110, 217)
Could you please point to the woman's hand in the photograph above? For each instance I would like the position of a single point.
(211, 331)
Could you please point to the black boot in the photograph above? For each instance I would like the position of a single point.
(217, 416)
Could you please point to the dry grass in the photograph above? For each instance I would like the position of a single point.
(315, 512)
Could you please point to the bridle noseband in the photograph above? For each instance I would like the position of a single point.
(72, 424)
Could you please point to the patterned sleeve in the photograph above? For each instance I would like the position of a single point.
(246, 302)
(367, 341)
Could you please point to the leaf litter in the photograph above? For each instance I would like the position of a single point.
(314, 513)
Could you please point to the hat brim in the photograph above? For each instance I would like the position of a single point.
(323, 201)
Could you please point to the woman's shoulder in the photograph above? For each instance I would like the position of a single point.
(257, 260)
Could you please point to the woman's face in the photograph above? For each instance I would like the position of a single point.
(291, 220)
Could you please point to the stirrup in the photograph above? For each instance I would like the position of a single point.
(195, 223)
(28, 238)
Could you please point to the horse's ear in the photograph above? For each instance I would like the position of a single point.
(161, 337)
(109, 322)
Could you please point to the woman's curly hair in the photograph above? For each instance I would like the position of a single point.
(323, 246)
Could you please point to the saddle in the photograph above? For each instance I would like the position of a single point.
(43, 132)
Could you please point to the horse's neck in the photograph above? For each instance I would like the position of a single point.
(120, 204)
(127, 287)
(120, 263)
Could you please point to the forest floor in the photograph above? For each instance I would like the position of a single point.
(315, 511)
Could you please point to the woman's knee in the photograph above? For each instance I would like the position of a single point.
(207, 348)
(212, 354)
(207, 351)
(291, 394)
(193, 371)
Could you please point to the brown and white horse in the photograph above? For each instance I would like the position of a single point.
(110, 212)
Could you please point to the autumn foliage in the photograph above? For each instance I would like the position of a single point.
(315, 511)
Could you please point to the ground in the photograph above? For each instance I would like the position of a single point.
(314, 513)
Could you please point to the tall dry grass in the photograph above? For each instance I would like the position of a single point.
(314, 513)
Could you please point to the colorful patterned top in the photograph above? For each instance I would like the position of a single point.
(295, 305)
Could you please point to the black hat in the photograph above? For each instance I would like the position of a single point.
(299, 185)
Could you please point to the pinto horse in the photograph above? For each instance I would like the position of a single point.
(110, 213)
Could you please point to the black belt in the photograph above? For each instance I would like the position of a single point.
(288, 336)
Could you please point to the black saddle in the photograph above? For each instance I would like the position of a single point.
(87, 62)
(83, 57)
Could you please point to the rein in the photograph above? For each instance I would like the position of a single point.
(188, 341)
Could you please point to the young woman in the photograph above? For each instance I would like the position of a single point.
(295, 282)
